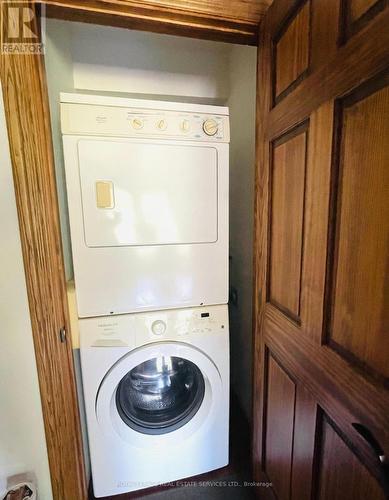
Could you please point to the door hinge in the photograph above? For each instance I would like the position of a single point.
(62, 334)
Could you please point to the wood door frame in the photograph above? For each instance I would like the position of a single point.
(30, 142)
(27, 112)
(157, 19)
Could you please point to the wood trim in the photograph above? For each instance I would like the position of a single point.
(324, 32)
(322, 419)
(337, 76)
(261, 202)
(348, 27)
(301, 128)
(317, 196)
(277, 37)
(27, 115)
(362, 92)
(284, 491)
(279, 13)
(316, 454)
(237, 25)
(260, 473)
(343, 403)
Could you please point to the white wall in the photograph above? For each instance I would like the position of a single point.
(59, 66)
(120, 60)
(241, 101)
(22, 438)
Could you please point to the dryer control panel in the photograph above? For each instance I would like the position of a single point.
(86, 119)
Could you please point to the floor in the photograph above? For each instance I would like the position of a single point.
(229, 487)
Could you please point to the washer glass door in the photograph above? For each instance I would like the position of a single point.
(160, 395)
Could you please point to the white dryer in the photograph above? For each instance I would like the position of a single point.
(156, 389)
(147, 187)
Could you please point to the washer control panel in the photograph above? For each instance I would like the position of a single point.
(128, 331)
(202, 320)
(133, 122)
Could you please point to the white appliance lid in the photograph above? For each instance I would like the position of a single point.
(78, 98)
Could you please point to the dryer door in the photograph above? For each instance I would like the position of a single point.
(159, 389)
(143, 193)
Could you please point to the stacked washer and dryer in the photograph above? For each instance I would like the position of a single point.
(147, 186)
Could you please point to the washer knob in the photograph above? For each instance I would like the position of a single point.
(158, 327)
(210, 126)
(137, 123)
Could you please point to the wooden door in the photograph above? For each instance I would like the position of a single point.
(321, 401)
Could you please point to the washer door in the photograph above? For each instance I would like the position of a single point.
(160, 390)
(160, 395)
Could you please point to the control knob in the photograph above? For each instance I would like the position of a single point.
(210, 126)
(158, 327)
(137, 123)
(162, 124)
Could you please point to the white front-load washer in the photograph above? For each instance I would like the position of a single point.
(147, 188)
(156, 388)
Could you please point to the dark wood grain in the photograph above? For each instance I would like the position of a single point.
(27, 115)
(324, 32)
(278, 15)
(286, 224)
(317, 200)
(348, 67)
(360, 295)
(345, 394)
(356, 14)
(292, 50)
(260, 254)
(325, 379)
(233, 21)
(341, 474)
(279, 428)
(359, 7)
(305, 421)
